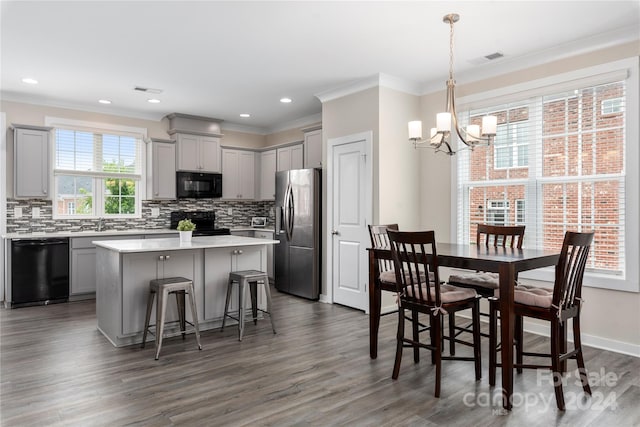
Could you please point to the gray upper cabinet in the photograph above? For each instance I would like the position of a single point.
(313, 149)
(290, 157)
(198, 153)
(238, 172)
(161, 170)
(268, 175)
(31, 165)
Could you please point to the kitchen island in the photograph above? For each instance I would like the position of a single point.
(125, 267)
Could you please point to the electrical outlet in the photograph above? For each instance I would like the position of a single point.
(155, 212)
(35, 212)
(17, 212)
(230, 211)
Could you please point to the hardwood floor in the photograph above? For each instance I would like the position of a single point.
(58, 370)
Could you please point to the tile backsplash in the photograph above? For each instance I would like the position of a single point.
(242, 211)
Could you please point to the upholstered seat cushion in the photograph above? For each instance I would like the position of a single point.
(531, 295)
(480, 279)
(390, 276)
(448, 293)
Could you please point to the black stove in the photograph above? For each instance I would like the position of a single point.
(205, 222)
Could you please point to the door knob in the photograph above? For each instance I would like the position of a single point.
(335, 232)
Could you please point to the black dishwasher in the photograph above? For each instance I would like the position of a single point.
(39, 271)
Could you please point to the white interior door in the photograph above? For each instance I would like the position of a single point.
(349, 211)
(3, 198)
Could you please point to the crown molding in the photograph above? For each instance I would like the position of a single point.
(297, 123)
(312, 119)
(237, 127)
(507, 65)
(109, 111)
(380, 79)
(348, 88)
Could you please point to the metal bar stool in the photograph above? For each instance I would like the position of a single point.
(179, 286)
(253, 278)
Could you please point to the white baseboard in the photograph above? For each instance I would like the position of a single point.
(587, 339)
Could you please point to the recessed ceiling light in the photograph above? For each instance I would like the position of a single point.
(285, 100)
(153, 101)
(104, 101)
(30, 81)
(245, 115)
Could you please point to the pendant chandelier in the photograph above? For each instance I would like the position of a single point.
(440, 136)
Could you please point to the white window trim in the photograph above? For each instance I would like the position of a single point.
(625, 69)
(515, 149)
(602, 103)
(93, 126)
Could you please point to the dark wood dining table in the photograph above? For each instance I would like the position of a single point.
(507, 262)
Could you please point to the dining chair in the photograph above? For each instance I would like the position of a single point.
(415, 259)
(484, 283)
(380, 239)
(556, 306)
(385, 274)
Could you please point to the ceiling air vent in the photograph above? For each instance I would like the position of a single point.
(494, 55)
(147, 90)
(487, 58)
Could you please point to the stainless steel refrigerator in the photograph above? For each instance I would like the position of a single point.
(298, 223)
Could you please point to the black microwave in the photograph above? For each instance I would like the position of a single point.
(195, 185)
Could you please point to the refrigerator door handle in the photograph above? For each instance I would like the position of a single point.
(292, 212)
(287, 212)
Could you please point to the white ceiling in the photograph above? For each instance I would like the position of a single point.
(220, 59)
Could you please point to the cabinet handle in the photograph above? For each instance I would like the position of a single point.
(240, 251)
(234, 252)
(161, 257)
(167, 257)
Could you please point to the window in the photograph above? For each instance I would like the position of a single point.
(558, 164)
(511, 147)
(498, 212)
(612, 106)
(97, 173)
(520, 216)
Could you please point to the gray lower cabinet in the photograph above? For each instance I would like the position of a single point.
(83, 264)
(264, 234)
(260, 234)
(218, 262)
(139, 268)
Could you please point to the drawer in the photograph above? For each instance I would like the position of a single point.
(263, 235)
(85, 242)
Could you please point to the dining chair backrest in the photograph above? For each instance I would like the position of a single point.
(414, 257)
(500, 235)
(570, 269)
(380, 239)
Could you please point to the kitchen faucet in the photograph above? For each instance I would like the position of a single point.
(101, 224)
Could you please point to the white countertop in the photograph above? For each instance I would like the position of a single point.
(92, 233)
(248, 228)
(173, 244)
(88, 233)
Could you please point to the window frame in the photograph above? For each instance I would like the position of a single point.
(613, 106)
(625, 69)
(99, 179)
(513, 147)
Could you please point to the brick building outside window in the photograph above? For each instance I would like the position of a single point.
(557, 164)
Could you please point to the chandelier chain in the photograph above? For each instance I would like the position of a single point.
(451, 50)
